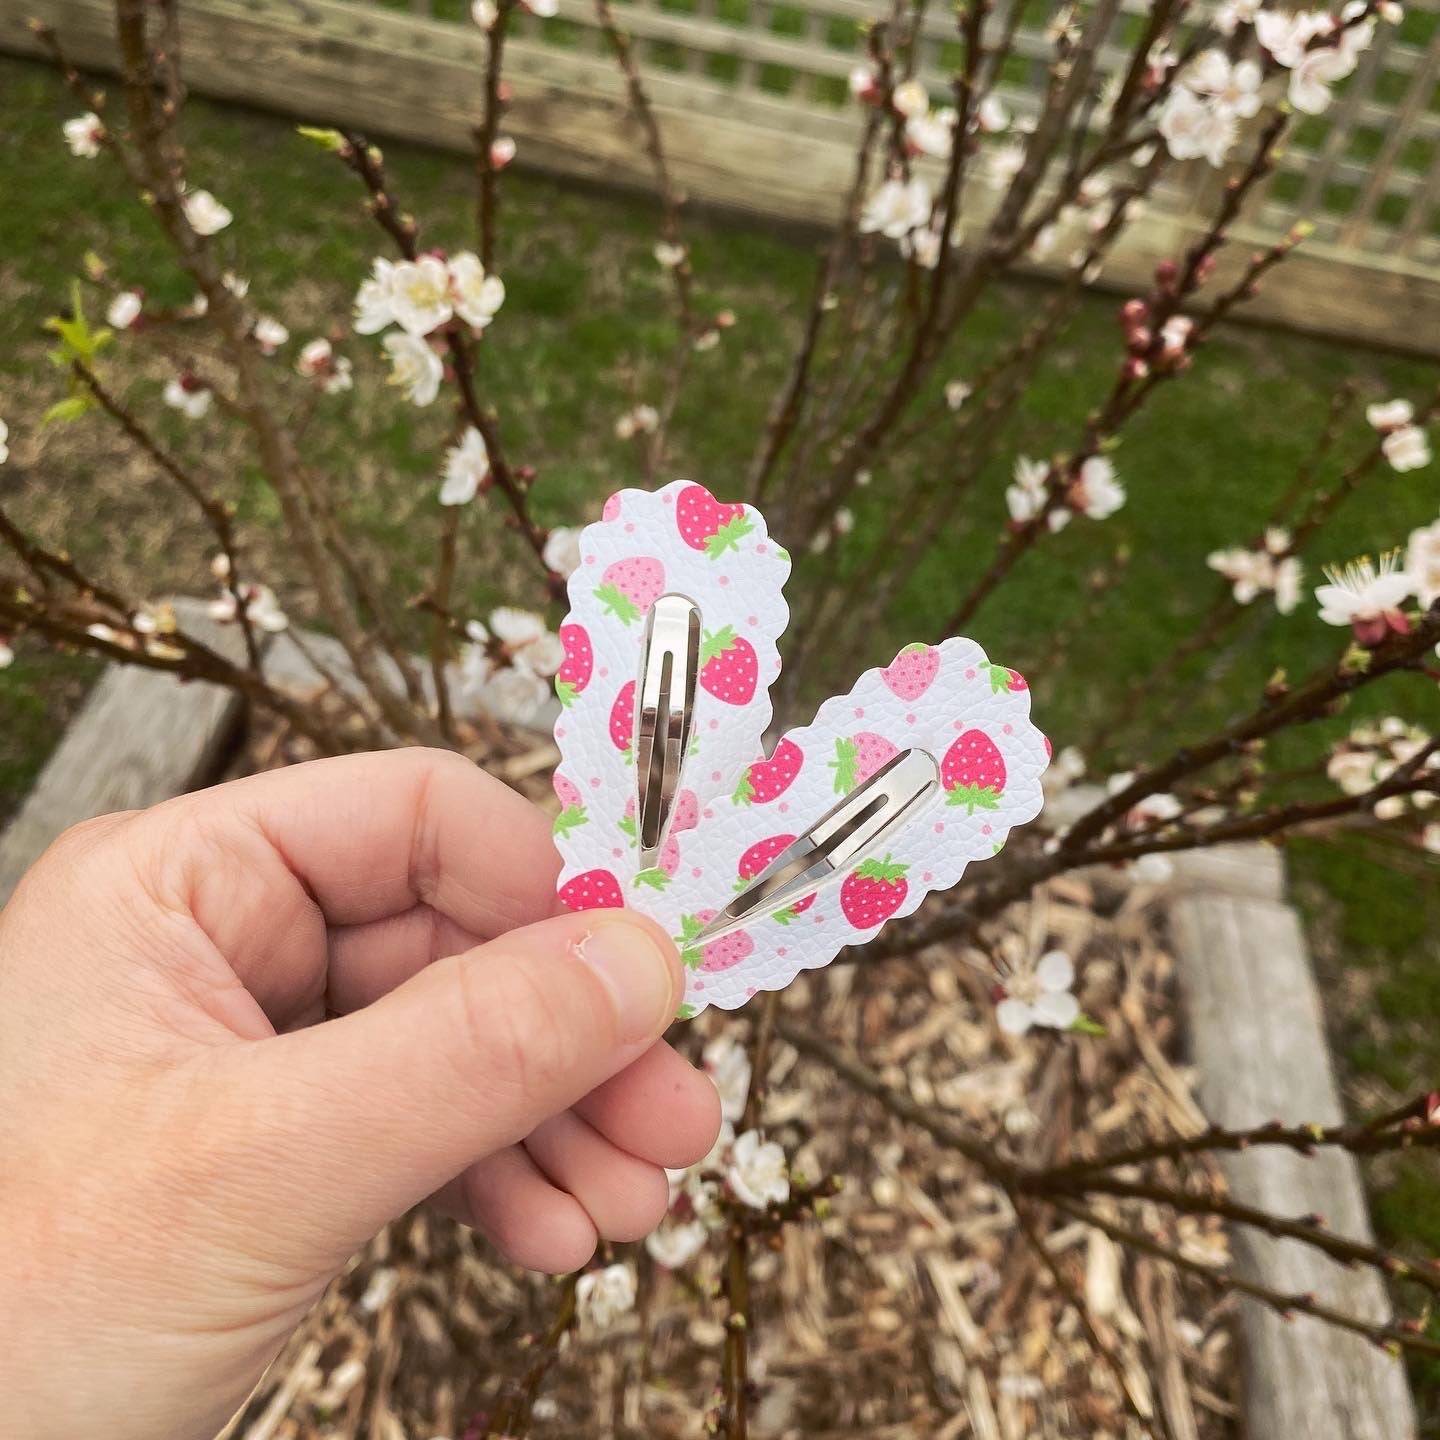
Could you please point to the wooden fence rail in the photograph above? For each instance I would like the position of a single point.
(753, 102)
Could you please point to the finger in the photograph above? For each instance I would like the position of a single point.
(530, 1221)
(370, 960)
(266, 863)
(660, 1108)
(625, 1198)
(466, 1057)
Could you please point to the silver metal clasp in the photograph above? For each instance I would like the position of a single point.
(862, 821)
(669, 669)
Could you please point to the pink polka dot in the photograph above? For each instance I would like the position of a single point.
(819, 919)
(709, 814)
(784, 806)
(752, 619)
(1005, 729)
(984, 829)
(617, 852)
(714, 724)
(959, 724)
(699, 984)
(859, 712)
(594, 782)
(762, 549)
(909, 719)
(927, 877)
(780, 950)
(715, 775)
(939, 827)
(749, 991)
(629, 527)
(603, 671)
(589, 559)
(724, 579)
(668, 499)
(697, 872)
(560, 732)
(969, 674)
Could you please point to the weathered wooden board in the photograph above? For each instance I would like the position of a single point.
(141, 737)
(742, 151)
(1256, 1028)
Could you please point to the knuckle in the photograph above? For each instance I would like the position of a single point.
(516, 1022)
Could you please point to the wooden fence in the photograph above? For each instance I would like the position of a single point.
(753, 101)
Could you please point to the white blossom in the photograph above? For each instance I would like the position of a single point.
(957, 392)
(269, 334)
(603, 1296)
(669, 255)
(923, 247)
(1422, 562)
(187, 395)
(528, 640)
(502, 151)
(485, 13)
(420, 295)
(7, 653)
(207, 216)
(757, 1173)
(1194, 128)
(676, 1243)
(1101, 493)
(544, 9)
(897, 208)
(706, 340)
(1407, 448)
(1005, 163)
(477, 295)
(642, 420)
(466, 466)
(516, 695)
(1352, 769)
(1289, 583)
(262, 609)
(932, 133)
(1039, 995)
(83, 135)
(1360, 595)
(1234, 13)
(4, 442)
(1233, 85)
(992, 116)
(862, 83)
(374, 301)
(562, 550)
(1390, 414)
(910, 98)
(124, 310)
(1026, 497)
(727, 1064)
(414, 367)
(1430, 838)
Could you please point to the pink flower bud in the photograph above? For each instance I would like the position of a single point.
(1136, 368)
(1132, 312)
(502, 152)
(1165, 273)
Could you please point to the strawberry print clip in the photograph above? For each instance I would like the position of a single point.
(953, 725)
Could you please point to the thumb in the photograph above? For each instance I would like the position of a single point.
(361, 1117)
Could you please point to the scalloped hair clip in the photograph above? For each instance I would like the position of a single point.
(761, 866)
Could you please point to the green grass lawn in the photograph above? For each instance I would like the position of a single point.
(584, 334)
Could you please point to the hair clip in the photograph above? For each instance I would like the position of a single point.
(664, 716)
(857, 826)
(919, 770)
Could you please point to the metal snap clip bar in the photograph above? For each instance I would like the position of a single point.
(862, 821)
(669, 668)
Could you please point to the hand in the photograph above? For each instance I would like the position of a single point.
(188, 1154)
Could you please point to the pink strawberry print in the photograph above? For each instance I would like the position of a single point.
(911, 673)
(706, 524)
(973, 773)
(659, 875)
(873, 892)
(858, 758)
(1004, 678)
(766, 780)
(729, 667)
(722, 954)
(579, 664)
(594, 890)
(572, 809)
(622, 718)
(756, 858)
(628, 588)
(685, 816)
